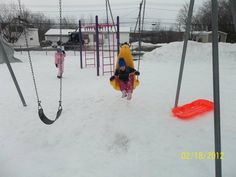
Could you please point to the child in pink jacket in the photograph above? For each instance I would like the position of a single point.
(59, 61)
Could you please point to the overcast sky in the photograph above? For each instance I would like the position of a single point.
(164, 11)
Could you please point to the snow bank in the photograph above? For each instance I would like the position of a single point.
(99, 134)
(195, 51)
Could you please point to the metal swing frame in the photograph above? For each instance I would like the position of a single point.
(140, 24)
(5, 58)
(215, 63)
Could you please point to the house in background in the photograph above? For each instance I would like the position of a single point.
(32, 38)
(31, 35)
(14, 33)
(206, 36)
(89, 36)
(53, 35)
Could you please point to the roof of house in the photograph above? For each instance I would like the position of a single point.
(57, 32)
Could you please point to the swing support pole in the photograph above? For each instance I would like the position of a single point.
(118, 34)
(80, 45)
(216, 84)
(97, 45)
(216, 87)
(5, 58)
(186, 37)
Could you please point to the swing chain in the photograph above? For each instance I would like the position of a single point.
(39, 105)
(28, 52)
(141, 25)
(109, 6)
(108, 33)
(60, 106)
(30, 59)
(60, 24)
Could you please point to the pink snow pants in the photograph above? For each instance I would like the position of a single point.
(59, 60)
(128, 85)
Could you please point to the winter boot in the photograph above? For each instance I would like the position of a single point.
(124, 94)
(129, 96)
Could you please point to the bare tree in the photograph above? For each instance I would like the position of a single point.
(225, 16)
(8, 12)
(40, 21)
(11, 24)
(202, 18)
(69, 22)
(182, 16)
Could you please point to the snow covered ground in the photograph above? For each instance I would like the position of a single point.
(101, 135)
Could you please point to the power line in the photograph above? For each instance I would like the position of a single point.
(99, 10)
(76, 10)
(114, 4)
(77, 5)
(130, 12)
(170, 4)
(162, 9)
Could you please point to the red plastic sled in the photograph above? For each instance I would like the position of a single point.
(193, 109)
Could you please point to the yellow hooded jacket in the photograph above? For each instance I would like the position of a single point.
(126, 54)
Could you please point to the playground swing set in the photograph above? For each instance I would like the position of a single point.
(186, 111)
(200, 106)
(41, 113)
(197, 107)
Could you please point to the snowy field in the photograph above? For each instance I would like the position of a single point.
(99, 134)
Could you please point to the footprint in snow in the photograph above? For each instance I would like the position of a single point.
(120, 143)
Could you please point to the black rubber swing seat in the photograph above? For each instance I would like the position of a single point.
(46, 120)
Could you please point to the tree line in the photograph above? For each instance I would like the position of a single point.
(10, 11)
(201, 19)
